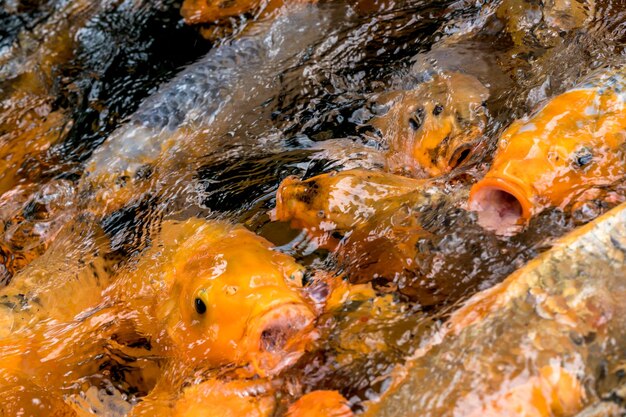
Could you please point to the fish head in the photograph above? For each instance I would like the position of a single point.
(237, 301)
(302, 202)
(576, 142)
(334, 203)
(437, 126)
(206, 11)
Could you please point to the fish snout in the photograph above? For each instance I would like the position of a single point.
(503, 205)
(291, 194)
(278, 337)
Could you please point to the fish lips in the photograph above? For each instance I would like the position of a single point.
(503, 204)
(277, 338)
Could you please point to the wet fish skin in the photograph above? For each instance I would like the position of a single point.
(65, 281)
(212, 397)
(435, 127)
(529, 23)
(563, 311)
(253, 398)
(571, 150)
(180, 296)
(421, 132)
(30, 121)
(206, 11)
(231, 269)
(337, 202)
(393, 229)
(319, 404)
(185, 119)
(30, 218)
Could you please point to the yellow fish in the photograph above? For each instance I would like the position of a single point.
(329, 205)
(180, 296)
(571, 150)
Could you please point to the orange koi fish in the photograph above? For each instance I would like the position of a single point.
(435, 127)
(250, 398)
(30, 218)
(320, 403)
(571, 150)
(545, 342)
(180, 296)
(329, 205)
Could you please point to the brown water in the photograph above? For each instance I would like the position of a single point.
(115, 116)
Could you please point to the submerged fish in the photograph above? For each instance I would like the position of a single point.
(197, 113)
(30, 218)
(424, 132)
(212, 398)
(206, 11)
(65, 281)
(180, 296)
(571, 150)
(319, 404)
(30, 119)
(544, 342)
(329, 205)
(250, 398)
(435, 127)
(527, 22)
(400, 232)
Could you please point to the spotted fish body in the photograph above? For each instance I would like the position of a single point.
(545, 342)
(571, 150)
(329, 205)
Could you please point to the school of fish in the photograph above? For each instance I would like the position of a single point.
(275, 223)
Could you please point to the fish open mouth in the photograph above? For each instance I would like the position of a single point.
(278, 338)
(502, 205)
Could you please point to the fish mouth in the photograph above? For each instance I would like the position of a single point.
(502, 205)
(286, 189)
(278, 337)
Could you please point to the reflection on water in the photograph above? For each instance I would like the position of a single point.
(133, 141)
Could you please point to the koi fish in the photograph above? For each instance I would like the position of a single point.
(524, 19)
(181, 296)
(206, 11)
(390, 228)
(320, 403)
(173, 126)
(423, 132)
(221, 269)
(435, 127)
(544, 342)
(253, 398)
(571, 150)
(30, 122)
(329, 205)
(30, 218)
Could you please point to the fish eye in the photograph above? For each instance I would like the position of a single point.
(437, 110)
(199, 306)
(582, 157)
(416, 120)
